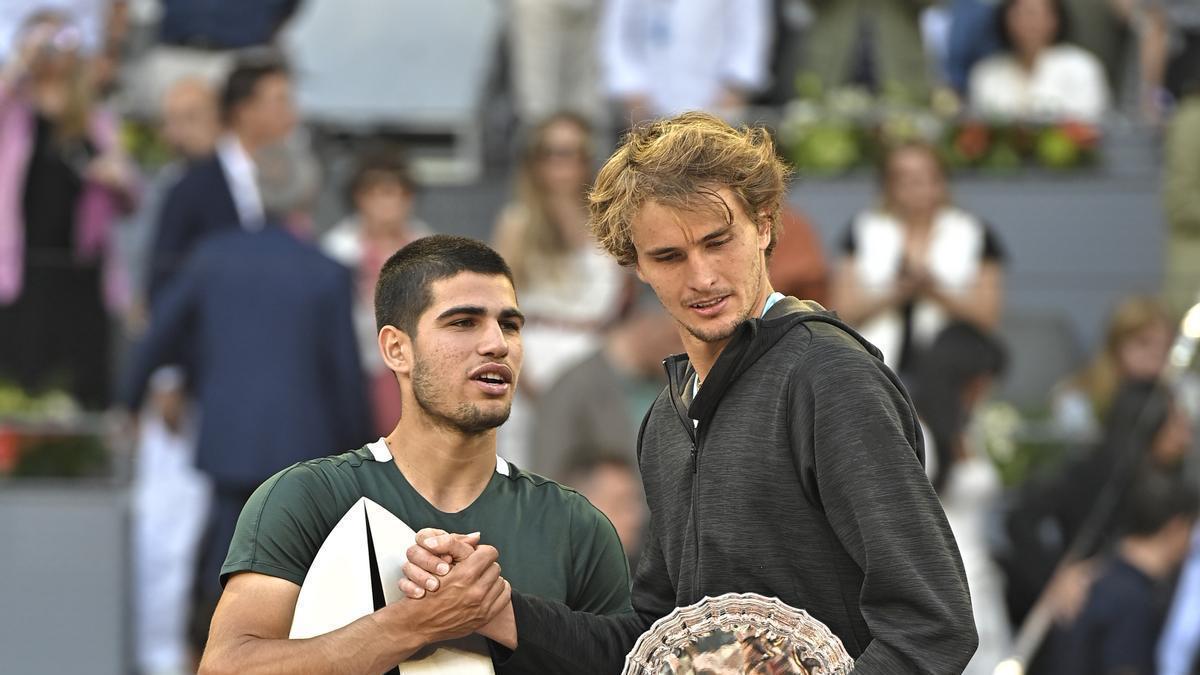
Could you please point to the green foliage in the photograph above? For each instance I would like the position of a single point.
(143, 143)
(829, 133)
(46, 435)
(66, 456)
(52, 404)
(1020, 444)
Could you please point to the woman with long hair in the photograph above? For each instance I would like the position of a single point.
(570, 291)
(916, 262)
(63, 179)
(1135, 348)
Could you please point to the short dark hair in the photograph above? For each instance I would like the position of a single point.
(381, 164)
(248, 71)
(1154, 499)
(404, 288)
(1060, 9)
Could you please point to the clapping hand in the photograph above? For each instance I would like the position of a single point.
(110, 170)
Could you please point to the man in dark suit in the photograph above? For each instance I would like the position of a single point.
(218, 192)
(275, 367)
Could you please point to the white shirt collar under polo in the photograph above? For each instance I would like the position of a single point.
(381, 453)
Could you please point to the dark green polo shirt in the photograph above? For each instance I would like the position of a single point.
(553, 543)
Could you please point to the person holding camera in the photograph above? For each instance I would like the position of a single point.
(63, 178)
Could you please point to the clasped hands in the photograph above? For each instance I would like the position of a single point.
(462, 578)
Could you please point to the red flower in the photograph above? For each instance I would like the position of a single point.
(973, 140)
(1083, 134)
(9, 450)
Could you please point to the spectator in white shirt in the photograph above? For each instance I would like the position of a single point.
(1038, 76)
(662, 57)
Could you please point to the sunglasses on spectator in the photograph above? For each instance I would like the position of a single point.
(563, 152)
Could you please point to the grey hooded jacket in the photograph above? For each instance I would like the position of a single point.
(797, 472)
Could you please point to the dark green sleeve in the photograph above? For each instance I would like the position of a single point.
(282, 526)
(599, 580)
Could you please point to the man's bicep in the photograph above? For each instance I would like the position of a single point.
(254, 606)
(282, 526)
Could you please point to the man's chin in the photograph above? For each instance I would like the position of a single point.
(497, 420)
(712, 333)
(483, 421)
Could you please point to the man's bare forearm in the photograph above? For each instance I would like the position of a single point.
(372, 644)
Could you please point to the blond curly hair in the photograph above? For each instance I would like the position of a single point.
(682, 162)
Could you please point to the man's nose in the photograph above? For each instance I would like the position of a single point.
(495, 342)
(702, 273)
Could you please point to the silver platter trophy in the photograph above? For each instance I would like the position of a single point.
(738, 634)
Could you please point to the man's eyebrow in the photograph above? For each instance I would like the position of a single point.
(469, 310)
(513, 313)
(476, 310)
(656, 252)
(715, 234)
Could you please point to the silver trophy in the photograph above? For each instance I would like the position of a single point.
(738, 634)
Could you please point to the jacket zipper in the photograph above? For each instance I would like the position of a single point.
(697, 444)
(693, 431)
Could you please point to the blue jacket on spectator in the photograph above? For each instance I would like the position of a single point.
(972, 38)
(276, 370)
(200, 204)
(223, 24)
(1116, 630)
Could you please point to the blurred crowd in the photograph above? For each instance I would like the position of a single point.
(197, 289)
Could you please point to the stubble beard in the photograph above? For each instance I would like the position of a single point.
(725, 332)
(717, 334)
(465, 418)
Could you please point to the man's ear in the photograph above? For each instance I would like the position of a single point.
(395, 347)
(765, 222)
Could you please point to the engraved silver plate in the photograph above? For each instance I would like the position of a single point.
(738, 634)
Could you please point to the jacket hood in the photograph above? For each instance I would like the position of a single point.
(750, 340)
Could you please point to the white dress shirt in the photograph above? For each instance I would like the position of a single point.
(242, 177)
